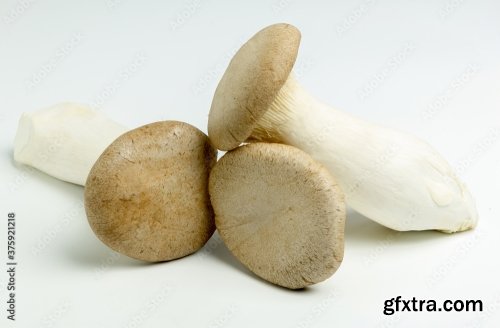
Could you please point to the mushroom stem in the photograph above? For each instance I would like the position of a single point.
(64, 140)
(388, 176)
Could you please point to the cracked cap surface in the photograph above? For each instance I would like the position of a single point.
(250, 84)
(280, 213)
(147, 195)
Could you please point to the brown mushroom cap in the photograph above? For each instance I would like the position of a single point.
(147, 194)
(279, 212)
(250, 84)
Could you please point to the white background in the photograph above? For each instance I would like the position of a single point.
(430, 68)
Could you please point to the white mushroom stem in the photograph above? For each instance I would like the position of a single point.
(64, 140)
(388, 176)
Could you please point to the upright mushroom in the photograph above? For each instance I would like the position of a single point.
(388, 176)
(280, 213)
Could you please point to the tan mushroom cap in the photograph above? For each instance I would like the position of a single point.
(280, 213)
(147, 194)
(250, 84)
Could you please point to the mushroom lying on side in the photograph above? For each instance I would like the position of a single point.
(388, 176)
(279, 212)
(147, 192)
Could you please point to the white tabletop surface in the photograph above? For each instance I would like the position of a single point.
(431, 68)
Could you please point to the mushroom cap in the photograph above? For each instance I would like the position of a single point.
(147, 194)
(251, 82)
(280, 213)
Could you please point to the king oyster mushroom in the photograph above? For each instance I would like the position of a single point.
(147, 192)
(389, 176)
